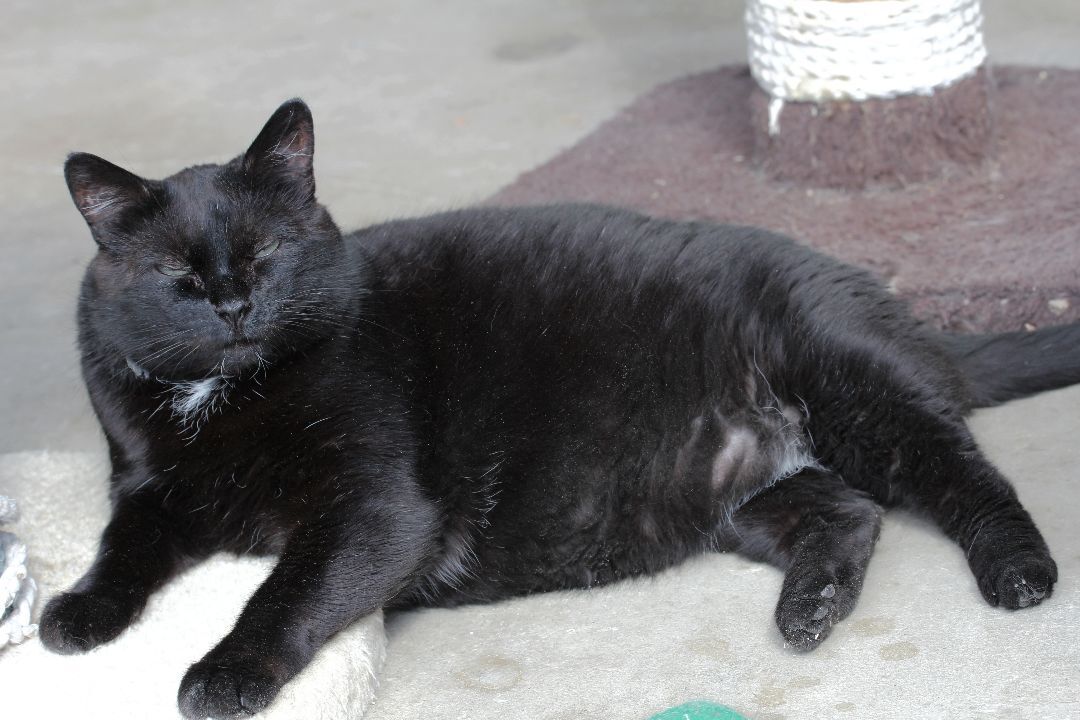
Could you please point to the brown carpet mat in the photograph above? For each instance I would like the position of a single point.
(993, 247)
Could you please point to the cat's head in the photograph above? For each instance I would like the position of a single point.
(217, 268)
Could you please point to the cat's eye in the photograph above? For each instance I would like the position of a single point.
(266, 249)
(174, 271)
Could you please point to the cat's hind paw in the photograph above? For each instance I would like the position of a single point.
(1019, 580)
(806, 618)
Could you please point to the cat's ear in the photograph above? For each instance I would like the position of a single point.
(284, 149)
(102, 191)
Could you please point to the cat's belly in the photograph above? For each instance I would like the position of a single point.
(581, 518)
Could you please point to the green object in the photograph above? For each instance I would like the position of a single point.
(699, 710)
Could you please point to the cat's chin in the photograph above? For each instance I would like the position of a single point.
(241, 357)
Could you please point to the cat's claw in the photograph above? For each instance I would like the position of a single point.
(226, 688)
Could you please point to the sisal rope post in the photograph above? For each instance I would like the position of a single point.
(859, 92)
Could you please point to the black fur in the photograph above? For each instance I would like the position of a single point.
(486, 403)
(1012, 365)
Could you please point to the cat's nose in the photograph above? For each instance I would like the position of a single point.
(233, 312)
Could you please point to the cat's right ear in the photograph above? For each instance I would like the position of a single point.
(102, 191)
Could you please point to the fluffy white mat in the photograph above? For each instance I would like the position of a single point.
(64, 507)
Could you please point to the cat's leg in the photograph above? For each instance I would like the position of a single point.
(821, 532)
(137, 554)
(345, 564)
(921, 454)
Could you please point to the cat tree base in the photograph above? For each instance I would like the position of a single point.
(993, 245)
(896, 141)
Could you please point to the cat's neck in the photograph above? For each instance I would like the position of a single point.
(191, 402)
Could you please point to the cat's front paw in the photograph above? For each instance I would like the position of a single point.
(74, 622)
(227, 686)
(1018, 580)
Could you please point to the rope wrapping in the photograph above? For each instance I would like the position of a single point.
(820, 50)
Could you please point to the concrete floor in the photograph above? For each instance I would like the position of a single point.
(419, 105)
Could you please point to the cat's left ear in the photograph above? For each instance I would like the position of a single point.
(284, 149)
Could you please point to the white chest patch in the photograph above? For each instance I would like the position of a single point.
(191, 402)
(196, 398)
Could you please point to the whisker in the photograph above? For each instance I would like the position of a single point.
(167, 348)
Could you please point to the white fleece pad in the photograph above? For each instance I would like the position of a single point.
(64, 507)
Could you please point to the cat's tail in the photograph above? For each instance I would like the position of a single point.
(1006, 366)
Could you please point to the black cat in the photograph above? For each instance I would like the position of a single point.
(492, 402)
